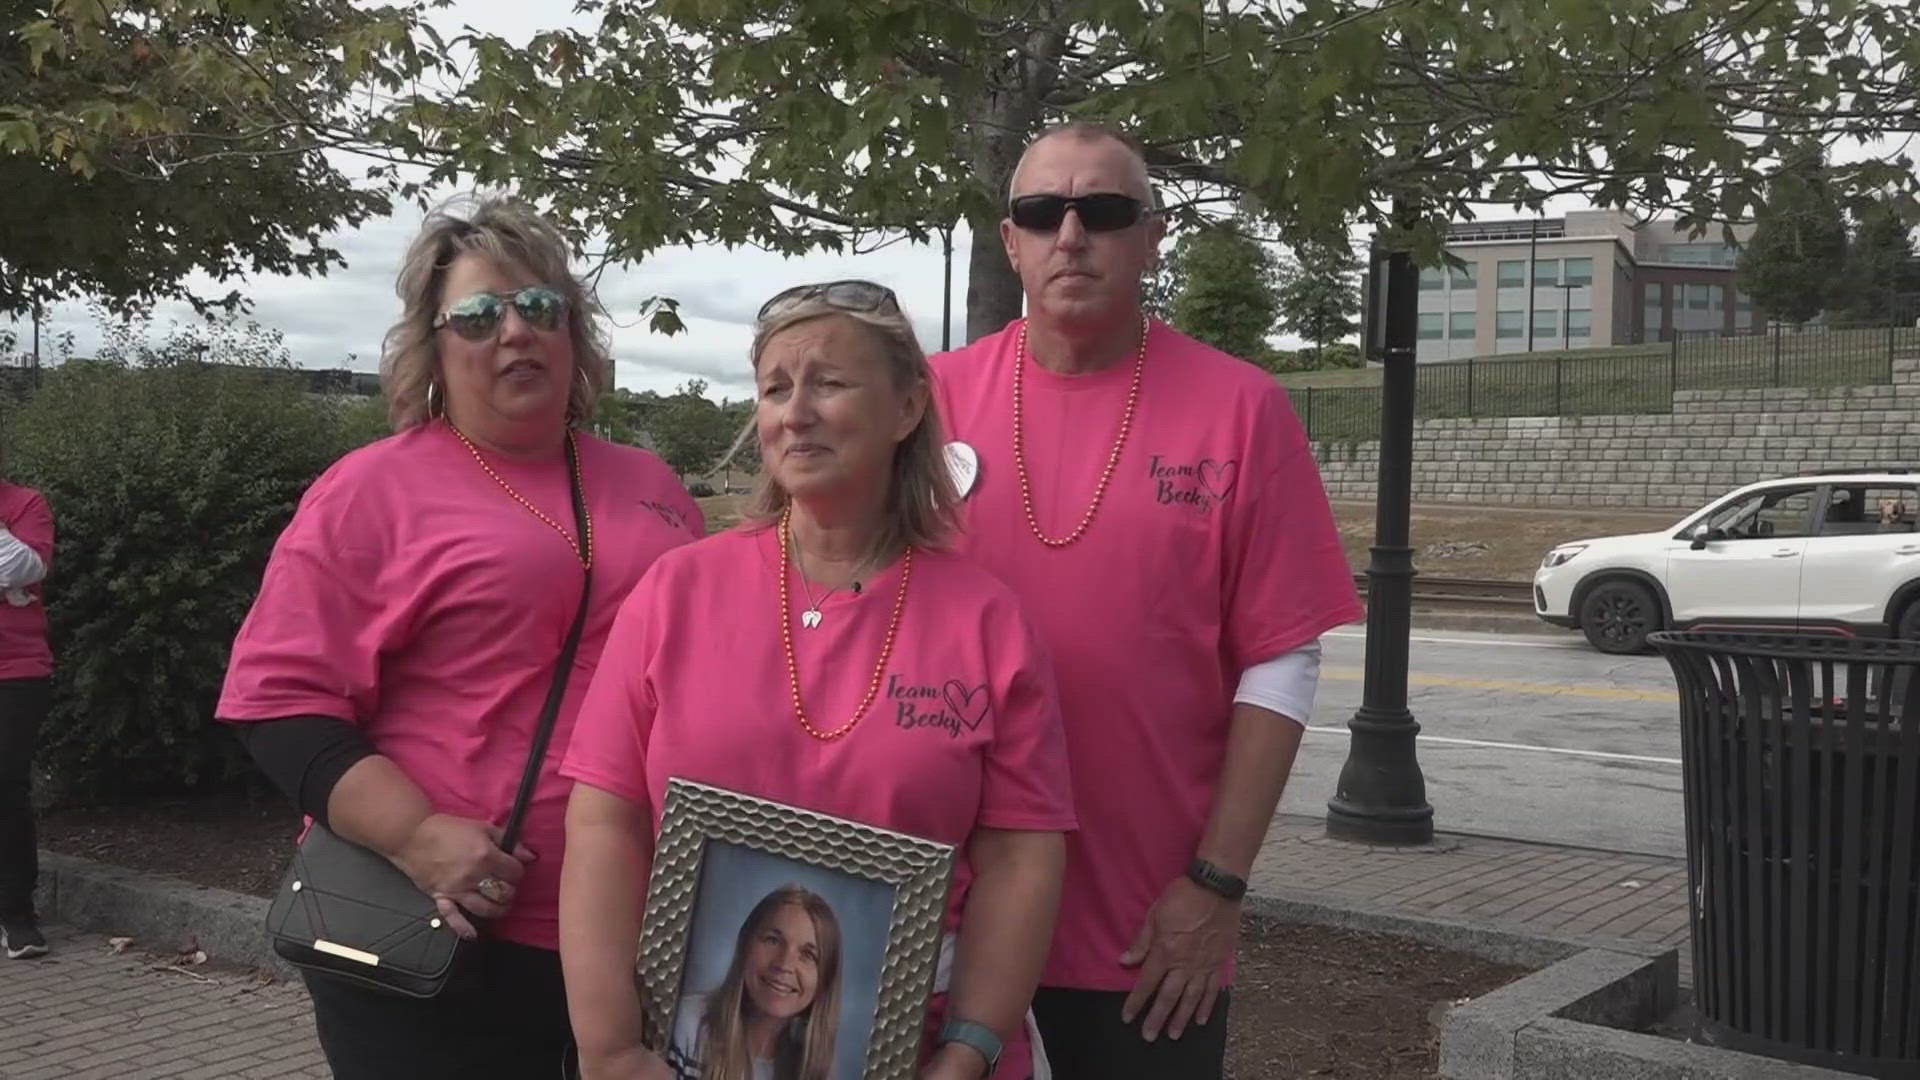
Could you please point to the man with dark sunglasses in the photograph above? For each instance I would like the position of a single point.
(1155, 504)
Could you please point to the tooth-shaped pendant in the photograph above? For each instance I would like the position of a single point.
(810, 618)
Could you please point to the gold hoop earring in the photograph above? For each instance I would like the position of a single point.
(433, 405)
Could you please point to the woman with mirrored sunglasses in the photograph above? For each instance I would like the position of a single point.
(412, 622)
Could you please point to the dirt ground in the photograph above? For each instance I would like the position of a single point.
(1493, 543)
(1310, 1001)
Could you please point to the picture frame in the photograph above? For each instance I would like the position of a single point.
(718, 853)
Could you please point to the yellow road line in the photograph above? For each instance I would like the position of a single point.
(1458, 682)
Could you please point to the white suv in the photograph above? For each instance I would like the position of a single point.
(1824, 553)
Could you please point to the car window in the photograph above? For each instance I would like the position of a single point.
(1869, 509)
(1779, 512)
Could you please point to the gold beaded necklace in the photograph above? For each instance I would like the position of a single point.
(583, 553)
(786, 638)
(1113, 458)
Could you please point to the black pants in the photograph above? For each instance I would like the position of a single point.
(509, 1020)
(1086, 1040)
(23, 706)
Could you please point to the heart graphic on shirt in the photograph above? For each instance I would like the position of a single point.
(969, 705)
(1219, 479)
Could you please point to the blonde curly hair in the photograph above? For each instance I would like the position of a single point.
(511, 234)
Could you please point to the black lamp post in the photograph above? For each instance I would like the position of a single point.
(1382, 795)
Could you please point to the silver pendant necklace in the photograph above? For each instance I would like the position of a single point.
(811, 617)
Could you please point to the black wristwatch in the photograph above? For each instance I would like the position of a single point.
(1215, 880)
(978, 1036)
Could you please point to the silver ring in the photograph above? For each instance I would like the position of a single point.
(489, 887)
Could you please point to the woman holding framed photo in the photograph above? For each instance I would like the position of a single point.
(829, 654)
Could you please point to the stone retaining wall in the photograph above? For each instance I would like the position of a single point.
(1712, 441)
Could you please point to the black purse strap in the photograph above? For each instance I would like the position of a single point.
(557, 691)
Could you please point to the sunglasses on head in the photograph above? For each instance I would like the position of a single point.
(850, 295)
(1102, 212)
(478, 317)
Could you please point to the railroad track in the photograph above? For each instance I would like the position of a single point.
(1465, 592)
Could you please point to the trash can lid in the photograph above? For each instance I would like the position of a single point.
(1777, 646)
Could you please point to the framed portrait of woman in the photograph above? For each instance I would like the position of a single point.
(784, 944)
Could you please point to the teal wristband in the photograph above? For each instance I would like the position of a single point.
(976, 1035)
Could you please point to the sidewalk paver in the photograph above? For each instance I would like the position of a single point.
(87, 1013)
(1501, 884)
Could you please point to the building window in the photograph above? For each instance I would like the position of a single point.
(1460, 325)
(1431, 325)
(1546, 272)
(1431, 279)
(1579, 324)
(1510, 324)
(1697, 296)
(1579, 272)
(1462, 276)
(1546, 324)
(1716, 296)
(1513, 273)
(1703, 253)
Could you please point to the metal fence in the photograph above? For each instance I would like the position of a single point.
(1636, 379)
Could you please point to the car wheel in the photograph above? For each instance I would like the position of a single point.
(1617, 616)
(1908, 628)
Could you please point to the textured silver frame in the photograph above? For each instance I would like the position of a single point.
(920, 871)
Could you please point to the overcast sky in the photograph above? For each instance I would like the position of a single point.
(338, 321)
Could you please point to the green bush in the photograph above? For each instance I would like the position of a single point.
(171, 470)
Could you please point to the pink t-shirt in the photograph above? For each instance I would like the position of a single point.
(24, 653)
(413, 596)
(965, 732)
(1213, 550)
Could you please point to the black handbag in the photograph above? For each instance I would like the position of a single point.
(347, 911)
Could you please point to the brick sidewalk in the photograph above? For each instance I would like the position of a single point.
(85, 1013)
(1502, 884)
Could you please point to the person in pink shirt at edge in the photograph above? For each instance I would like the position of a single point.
(852, 666)
(26, 682)
(1156, 507)
(391, 673)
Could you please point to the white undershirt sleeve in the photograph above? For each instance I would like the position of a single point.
(20, 565)
(1285, 684)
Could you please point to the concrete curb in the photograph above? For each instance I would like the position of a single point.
(1478, 622)
(161, 914)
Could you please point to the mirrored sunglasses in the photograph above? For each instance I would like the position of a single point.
(1102, 212)
(850, 295)
(478, 317)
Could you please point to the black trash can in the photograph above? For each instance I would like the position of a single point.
(1801, 762)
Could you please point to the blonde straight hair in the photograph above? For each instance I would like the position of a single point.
(511, 234)
(923, 505)
(805, 1050)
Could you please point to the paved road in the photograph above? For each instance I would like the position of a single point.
(1528, 737)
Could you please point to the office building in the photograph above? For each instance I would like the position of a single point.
(1590, 279)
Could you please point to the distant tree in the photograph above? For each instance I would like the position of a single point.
(1881, 274)
(1798, 250)
(1339, 354)
(688, 429)
(1320, 297)
(1228, 296)
(1163, 284)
